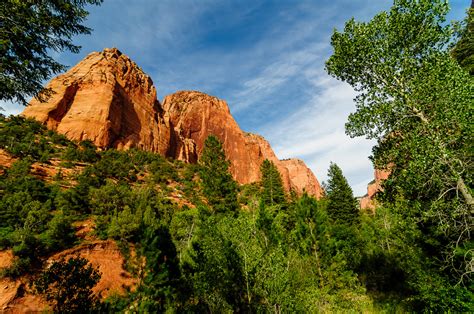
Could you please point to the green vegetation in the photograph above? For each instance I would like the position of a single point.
(201, 243)
(29, 31)
(342, 206)
(218, 185)
(273, 192)
(254, 254)
(463, 51)
(69, 283)
(416, 101)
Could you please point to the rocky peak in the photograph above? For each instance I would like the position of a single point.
(185, 100)
(302, 179)
(194, 116)
(105, 98)
(108, 99)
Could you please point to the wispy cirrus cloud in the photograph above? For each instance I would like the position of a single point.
(315, 133)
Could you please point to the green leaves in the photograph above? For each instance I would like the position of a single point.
(28, 31)
(463, 52)
(68, 284)
(417, 102)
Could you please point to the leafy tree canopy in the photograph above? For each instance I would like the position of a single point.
(29, 30)
(416, 100)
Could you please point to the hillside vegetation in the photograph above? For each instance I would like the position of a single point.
(167, 236)
(265, 251)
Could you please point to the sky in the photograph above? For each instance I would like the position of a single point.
(265, 58)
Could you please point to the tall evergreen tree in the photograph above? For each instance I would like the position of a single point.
(158, 291)
(342, 206)
(273, 192)
(218, 185)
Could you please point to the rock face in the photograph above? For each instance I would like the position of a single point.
(368, 201)
(302, 179)
(108, 99)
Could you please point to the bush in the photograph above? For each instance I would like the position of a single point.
(69, 283)
(59, 233)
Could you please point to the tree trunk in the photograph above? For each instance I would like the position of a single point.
(466, 194)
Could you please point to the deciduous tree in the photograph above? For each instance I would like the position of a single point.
(416, 101)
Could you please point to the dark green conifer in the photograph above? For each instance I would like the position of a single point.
(218, 185)
(342, 206)
(463, 52)
(273, 192)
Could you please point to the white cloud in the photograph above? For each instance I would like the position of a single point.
(10, 108)
(315, 133)
(288, 66)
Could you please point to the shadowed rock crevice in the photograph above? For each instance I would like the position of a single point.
(58, 113)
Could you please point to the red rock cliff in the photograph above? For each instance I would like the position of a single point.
(302, 179)
(108, 99)
(368, 201)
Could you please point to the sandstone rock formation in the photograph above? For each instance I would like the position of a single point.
(108, 99)
(368, 200)
(302, 179)
(105, 98)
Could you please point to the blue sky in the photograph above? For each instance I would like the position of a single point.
(265, 58)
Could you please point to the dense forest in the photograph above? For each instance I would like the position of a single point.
(199, 242)
(209, 244)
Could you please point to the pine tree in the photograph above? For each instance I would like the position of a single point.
(159, 290)
(273, 192)
(218, 185)
(342, 206)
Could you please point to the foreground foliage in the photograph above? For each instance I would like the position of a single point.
(276, 253)
(68, 284)
(29, 31)
(416, 101)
